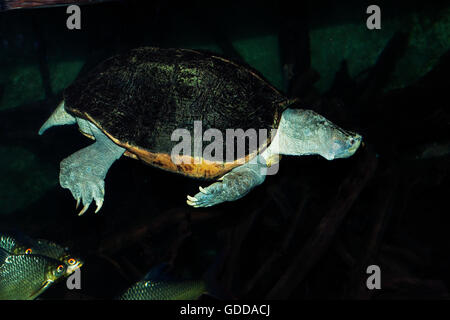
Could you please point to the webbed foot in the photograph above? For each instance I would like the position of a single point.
(84, 172)
(84, 183)
(232, 186)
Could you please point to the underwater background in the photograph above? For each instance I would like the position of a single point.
(308, 232)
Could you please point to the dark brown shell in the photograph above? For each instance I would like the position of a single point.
(138, 99)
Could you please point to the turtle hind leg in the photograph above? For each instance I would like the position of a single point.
(84, 172)
(232, 186)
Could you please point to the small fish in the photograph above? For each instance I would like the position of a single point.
(161, 287)
(14, 244)
(57, 252)
(25, 277)
(19, 244)
(165, 290)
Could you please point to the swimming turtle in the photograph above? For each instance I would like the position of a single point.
(133, 104)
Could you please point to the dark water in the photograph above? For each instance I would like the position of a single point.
(308, 232)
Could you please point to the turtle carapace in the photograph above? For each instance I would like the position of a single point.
(132, 104)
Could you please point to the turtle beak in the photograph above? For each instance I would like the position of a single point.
(357, 142)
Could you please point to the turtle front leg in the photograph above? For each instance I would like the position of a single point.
(232, 186)
(84, 172)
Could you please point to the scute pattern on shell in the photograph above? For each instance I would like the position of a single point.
(142, 96)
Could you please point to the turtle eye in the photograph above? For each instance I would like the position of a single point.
(28, 251)
(71, 261)
(60, 268)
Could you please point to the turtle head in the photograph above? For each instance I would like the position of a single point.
(343, 144)
(333, 142)
(306, 132)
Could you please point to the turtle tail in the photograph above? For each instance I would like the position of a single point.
(58, 118)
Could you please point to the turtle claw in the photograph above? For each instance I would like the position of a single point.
(201, 199)
(99, 204)
(84, 209)
(207, 197)
(89, 192)
(230, 187)
(202, 190)
(193, 199)
(84, 185)
(192, 203)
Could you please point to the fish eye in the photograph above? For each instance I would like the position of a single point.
(71, 261)
(60, 268)
(352, 141)
(28, 251)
